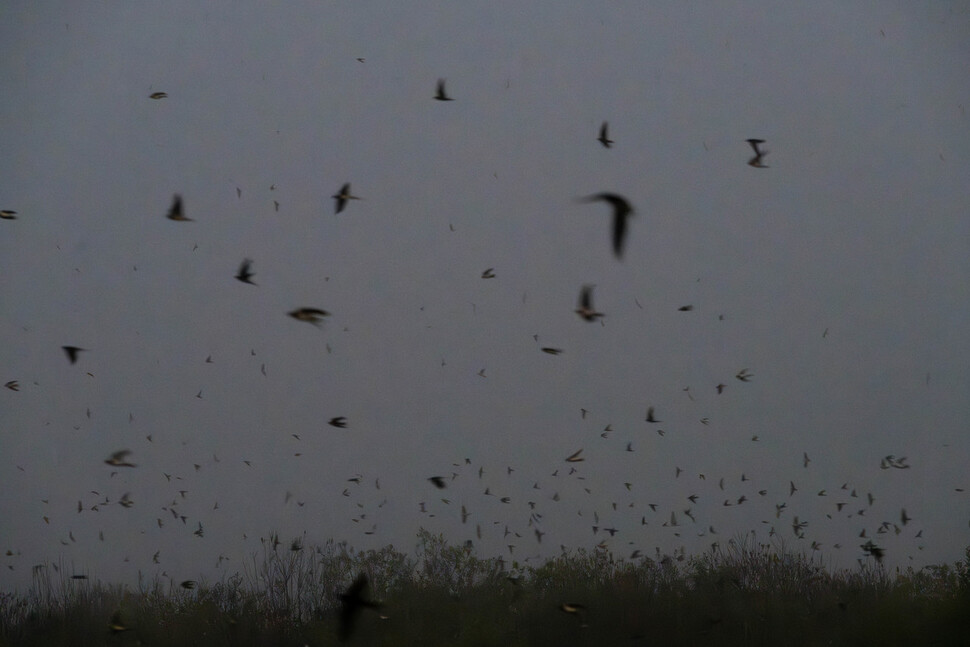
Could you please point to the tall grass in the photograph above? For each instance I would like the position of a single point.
(743, 593)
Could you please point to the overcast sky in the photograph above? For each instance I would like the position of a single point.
(838, 277)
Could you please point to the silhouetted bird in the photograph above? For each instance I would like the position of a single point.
(351, 603)
(622, 210)
(585, 309)
(440, 93)
(310, 315)
(438, 481)
(175, 211)
(342, 196)
(72, 352)
(117, 459)
(489, 273)
(604, 137)
(244, 274)
(157, 95)
(8, 214)
(758, 153)
(340, 422)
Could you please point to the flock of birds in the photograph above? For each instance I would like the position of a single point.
(846, 500)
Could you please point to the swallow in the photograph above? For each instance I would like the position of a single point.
(744, 375)
(440, 94)
(604, 137)
(585, 309)
(869, 548)
(157, 95)
(650, 416)
(438, 482)
(310, 315)
(758, 153)
(117, 459)
(13, 385)
(72, 352)
(352, 601)
(489, 273)
(8, 214)
(342, 196)
(340, 422)
(175, 212)
(188, 584)
(551, 351)
(244, 274)
(575, 458)
(622, 210)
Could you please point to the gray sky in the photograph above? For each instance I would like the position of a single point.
(841, 274)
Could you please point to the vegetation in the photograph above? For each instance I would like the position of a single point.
(743, 594)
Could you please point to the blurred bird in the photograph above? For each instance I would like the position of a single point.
(244, 274)
(157, 95)
(72, 352)
(585, 309)
(342, 196)
(758, 153)
(551, 351)
(117, 459)
(340, 422)
(175, 211)
(352, 601)
(622, 210)
(489, 273)
(438, 481)
(744, 375)
(310, 315)
(575, 458)
(604, 137)
(13, 385)
(8, 214)
(440, 93)
(650, 416)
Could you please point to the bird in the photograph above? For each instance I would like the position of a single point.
(438, 481)
(340, 422)
(175, 211)
(8, 214)
(585, 309)
(551, 351)
(489, 273)
(575, 457)
(622, 209)
(72, 352)
(440, 93)
(244, 274)
(650, 416)
(157, 95)
(117, 459)
(13, 385)
(604, 137)
(352, 601)
(743, 375)
(758, 153)
(342, 196)
(310, 315)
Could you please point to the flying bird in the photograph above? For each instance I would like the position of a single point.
(758, 153)
(175, 211)
(342, 196)
(622, 209)
(340, 422)
(650, 416)
(117, 459)
(551, 351)
(72, 352)
(604, 137)
(575, 457)
(352, 601)
(8, 214)
(13, 385)
(244, 274)
(310, 315)
(489, 273)
(157, 95)
(585, 309)
(438, 481)
(440, 93)
(744, 375)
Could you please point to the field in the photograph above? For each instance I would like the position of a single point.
(740, 593)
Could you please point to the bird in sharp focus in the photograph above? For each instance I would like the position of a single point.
(622, 210)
